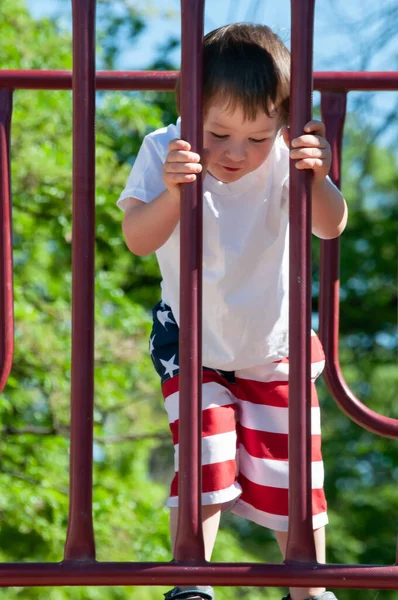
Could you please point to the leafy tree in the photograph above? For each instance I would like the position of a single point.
(132, 448)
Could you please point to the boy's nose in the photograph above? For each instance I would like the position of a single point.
(235, 153)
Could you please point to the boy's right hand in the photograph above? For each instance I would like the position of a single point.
(181, 166)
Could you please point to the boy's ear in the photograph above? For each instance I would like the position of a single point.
(286, 135)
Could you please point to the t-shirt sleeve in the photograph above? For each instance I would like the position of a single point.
(283, 169)
(145, 180)
(285, 193)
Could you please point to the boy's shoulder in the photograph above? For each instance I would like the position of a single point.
(281, 150)
(160, 138)
(281, 158)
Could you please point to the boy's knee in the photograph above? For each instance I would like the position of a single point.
(209, 510)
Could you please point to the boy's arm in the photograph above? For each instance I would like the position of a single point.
(312, 151)
(147, 226)
(329, 210)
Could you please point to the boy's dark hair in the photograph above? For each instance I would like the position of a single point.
(247, 66)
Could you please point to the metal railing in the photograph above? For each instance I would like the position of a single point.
(79, 566)
(6, 280)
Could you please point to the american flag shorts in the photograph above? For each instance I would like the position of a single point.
(244, 432)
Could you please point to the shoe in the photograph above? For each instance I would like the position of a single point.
(323, 596)
(195, 593)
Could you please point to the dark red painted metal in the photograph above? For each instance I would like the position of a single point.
(367, 81)
(6, 279)
(333, 106)
(189, 541)
(231, 574)
(300, 539)
(166, 80)
(80, 536)
(80, 568)
(105, 80)
(333, 109)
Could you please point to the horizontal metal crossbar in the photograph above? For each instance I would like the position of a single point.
(165, 80)
(80, 567)
(73, 573)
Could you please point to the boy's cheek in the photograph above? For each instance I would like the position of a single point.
(263, 155)
(209, 145)
(210, 152)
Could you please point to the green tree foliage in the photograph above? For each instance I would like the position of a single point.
(132, 452)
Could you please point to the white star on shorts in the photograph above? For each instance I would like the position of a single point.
(151, 347)
(163, 318)
(169, 366)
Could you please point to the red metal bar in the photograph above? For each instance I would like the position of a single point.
(366, 81)
(80, 537)
(218, 574)
(105, 80)
(189, 541)
(166, 80)
(333, 105)
(301, 538)
(333, 109)
(6, 280)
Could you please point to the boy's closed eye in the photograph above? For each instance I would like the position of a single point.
(219, 137)
(224, 137)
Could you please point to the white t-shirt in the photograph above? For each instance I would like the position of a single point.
(245, 255)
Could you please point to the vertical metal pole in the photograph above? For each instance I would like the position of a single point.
(333, 108)
(189, 540)
(300, 545)
(80, 537)
(6, 279)
(396, 554)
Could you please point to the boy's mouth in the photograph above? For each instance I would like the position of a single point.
(232, 169)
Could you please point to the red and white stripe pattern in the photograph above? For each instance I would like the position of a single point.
(245, 441)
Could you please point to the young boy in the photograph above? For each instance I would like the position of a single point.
(245, 279)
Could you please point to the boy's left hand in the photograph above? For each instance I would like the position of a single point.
(311, 150)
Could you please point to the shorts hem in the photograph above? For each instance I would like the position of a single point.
(274, 522)
(227, 496)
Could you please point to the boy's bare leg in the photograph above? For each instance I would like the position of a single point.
(320, 547)
(211, 521)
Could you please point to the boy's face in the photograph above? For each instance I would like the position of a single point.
(237, 146)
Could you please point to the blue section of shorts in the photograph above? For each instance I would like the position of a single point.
(164, 345)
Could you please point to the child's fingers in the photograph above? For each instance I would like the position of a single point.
(176, 173)
(182, 156)
(310, 163)
(182, 167)
(173, 179)
(316, 127)
(311, 141)
(300, 153)
(314, 136)
(178, 144)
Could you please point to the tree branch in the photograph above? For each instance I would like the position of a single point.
(159, 435)
(65, 432)
(31, 481)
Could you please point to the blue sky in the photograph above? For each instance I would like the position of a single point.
(339, 42)
(335, 44)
